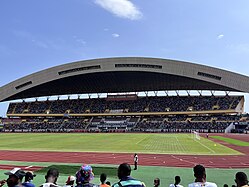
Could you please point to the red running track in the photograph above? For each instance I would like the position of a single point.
(241, 161)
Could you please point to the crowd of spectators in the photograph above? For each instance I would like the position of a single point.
(176, 123)
(46, 125)
(141, 104)
(163, 123)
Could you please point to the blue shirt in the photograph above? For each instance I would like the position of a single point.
(28, 184)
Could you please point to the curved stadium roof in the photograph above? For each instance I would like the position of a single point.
(126, 74)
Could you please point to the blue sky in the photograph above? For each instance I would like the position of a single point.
(36, 35)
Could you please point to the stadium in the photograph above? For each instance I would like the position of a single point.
(102, 111)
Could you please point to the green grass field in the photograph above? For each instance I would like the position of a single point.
(231, 141)
(119, 142)
(129, 143)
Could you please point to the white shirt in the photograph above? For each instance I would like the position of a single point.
(201, 184)
(136, 158)
(48, 184)
(173, 185)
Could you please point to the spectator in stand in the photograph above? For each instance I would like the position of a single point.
(124, 171)
(108, 183)
(15, 177)
(177, 182)
(156, 182)
(225, 185)
(241, 179)
(102, 180)
(70, 181)
(28, 179)
(200, 178)
(84, 176)
(51, 178)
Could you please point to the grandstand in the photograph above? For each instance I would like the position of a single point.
(126, 112)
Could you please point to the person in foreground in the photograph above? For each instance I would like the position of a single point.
(51, 178)
(84, 176)
(102, 180)
(28, 179)
(241, 179)
(124, 171)
(177, 182)
(70, 181)
(15, 177)
(156, 182)
(200, 178)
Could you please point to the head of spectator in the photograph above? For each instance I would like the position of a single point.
(241, 179)
(199, 173)
(124, 170)
(52, 176)
(102, 178)
(156, 182)
(225, 185)
(108, 183)
(15, 177)
(70, 180)
(29, 176)
(84, 175)
(177, 180)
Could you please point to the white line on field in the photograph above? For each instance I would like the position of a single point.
(180, 145)
(28, 167)
(205, 146)
(141, 140)
(183, 160)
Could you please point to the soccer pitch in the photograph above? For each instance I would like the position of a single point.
(114, 142)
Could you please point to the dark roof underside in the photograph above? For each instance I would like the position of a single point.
(116, 82)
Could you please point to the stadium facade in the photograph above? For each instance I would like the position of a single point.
(127, 74)
(126, 112)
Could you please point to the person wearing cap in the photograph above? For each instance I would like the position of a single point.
(28, 179)
(70, 181)
(15, 177)
(84, 176)
(51, 178)
(241, 179)
(124, 171)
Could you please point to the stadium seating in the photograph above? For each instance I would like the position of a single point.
(71, 120)
(142, 104)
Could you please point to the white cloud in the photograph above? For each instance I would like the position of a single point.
(121, 8)
(81, 41)
(115, 35)
(242, 48)
(220, 36)
(40, 44)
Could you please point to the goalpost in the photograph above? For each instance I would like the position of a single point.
(195, 135)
